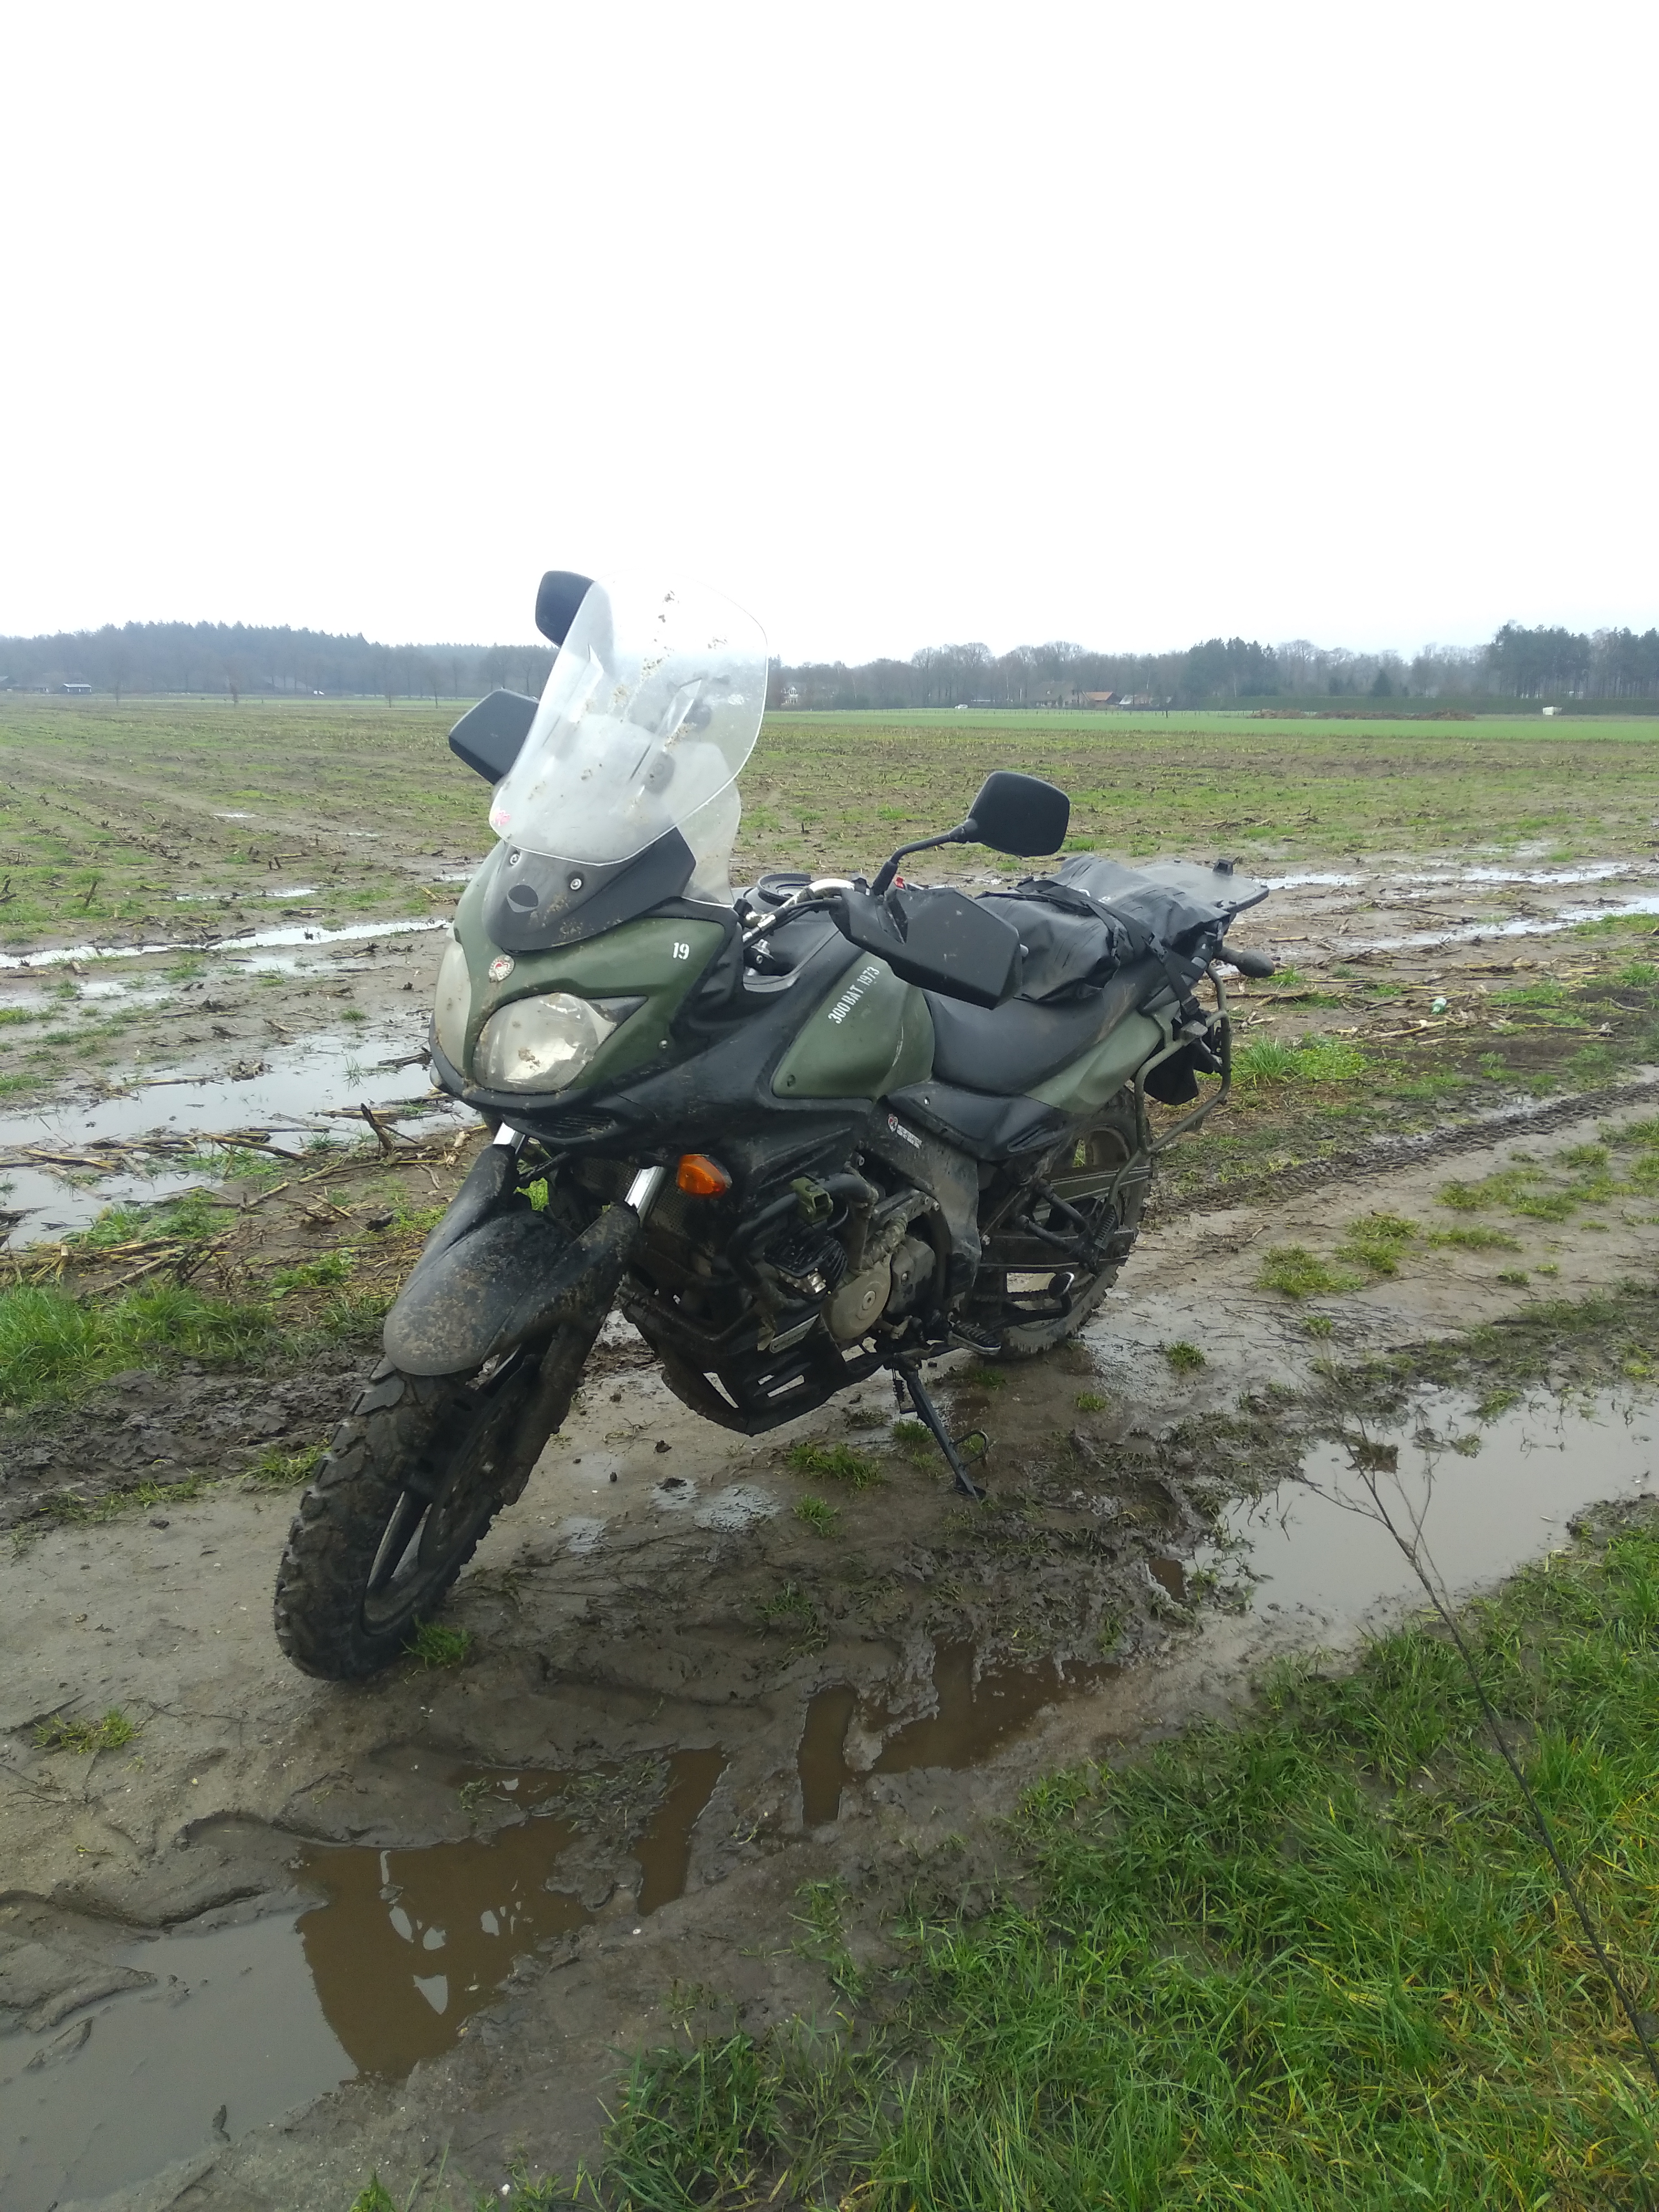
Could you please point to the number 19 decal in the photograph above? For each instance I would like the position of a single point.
(682, 952)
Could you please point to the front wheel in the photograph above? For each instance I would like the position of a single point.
(416, 1472)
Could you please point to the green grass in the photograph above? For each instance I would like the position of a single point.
(67, 1505)
(1090, 1401)
(281, 1470)
(1296, 1272)
(1376, 1242)
(1264, 1061)
(820, 1516)
(838, 1462)
(108, 1733)
(312, 1274)
(1319, 1963)
(793, 1611)
(52, 1345)
(1185, 1359)
(192, 1215)
(434, 1645)
(915, 1439)
(1475, 1239)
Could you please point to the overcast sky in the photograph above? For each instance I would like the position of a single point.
(901, 323)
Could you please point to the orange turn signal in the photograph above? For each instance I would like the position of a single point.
(701, 1177)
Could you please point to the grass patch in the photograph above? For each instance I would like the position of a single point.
(281, 1470)
(1376, 1242)
(1090, 1401)
(837, 1462)
(53, 1345)
(1526, 1190)
(983, 1378)
(193, 1215)
(67, 1505)
(1296, 1272)
(915, 1439)
(1185, 1359)
(434, 1645)
(330, 1267)
(108, 1733)
(791, 1613)
(820, 1516)
(1319, 1963)
(1265, 1061)
(1475, 1239)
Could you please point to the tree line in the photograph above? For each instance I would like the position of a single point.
(238, 659)
(1517, 664)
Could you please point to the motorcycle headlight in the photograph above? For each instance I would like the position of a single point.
(453, 1004)
(539, 1044)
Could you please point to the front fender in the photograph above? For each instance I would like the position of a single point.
(499, 1277)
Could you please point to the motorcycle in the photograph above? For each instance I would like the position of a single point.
(820, 1127)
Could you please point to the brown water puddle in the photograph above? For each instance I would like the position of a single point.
(1485, 1495)
(976, 1709)
(1479, 1497)
(411, 1943)
(243, 2022)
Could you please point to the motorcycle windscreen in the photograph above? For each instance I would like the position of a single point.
(651, 709)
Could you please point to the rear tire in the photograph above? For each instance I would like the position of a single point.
(1110, 1140)
(414, 1477)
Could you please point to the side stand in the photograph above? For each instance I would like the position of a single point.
(906, 1375)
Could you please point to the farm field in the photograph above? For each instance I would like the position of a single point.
(773, 1829)
(112, 816)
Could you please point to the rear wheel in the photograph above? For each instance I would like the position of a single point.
(1105, 1181)
(416, 1472)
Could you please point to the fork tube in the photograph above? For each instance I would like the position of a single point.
(642, 1191)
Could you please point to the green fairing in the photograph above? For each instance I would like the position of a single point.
(1090, 1080)
(871, 1035)
(638, 958)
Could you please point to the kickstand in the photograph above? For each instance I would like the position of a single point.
(908, 1371)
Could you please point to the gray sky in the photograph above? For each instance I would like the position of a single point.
(900, 323)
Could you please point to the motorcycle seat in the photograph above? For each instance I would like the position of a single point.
(1009, 1049)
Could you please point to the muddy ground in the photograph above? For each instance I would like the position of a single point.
(684, 1703)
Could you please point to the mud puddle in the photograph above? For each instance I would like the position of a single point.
(60, 956)
(231, 2033)
(1480, 1499)
(975, 1710)
(1312, 1557)
(300, 1090)
(242, 2022)
(410, 1944)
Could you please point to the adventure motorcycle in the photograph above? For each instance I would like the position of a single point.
(821, 1128)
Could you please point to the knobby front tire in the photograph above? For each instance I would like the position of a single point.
(397, 1506)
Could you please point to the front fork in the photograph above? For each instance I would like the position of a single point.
(560, 1368)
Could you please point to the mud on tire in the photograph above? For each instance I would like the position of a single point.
(396, 1510)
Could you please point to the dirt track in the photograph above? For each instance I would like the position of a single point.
(620, 1628)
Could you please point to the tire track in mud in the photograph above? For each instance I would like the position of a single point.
(1389, 1155)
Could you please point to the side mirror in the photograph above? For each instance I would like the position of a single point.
(1018, 814)
(490, 736)
(938, 939)
(561, 593)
